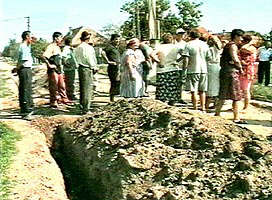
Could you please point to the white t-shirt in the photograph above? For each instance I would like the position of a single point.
(199, 54)
(168, 54)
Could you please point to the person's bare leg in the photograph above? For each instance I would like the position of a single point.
(208, 102)
(235, 108)
(202, 96)
(194, 100)
(247, 97)
(218, 107)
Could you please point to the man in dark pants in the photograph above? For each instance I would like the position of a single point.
(264, 55)
(86, 59)
(24, 70)
(112, 56)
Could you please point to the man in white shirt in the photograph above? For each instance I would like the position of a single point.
(197, 78)
(86, 59)
(264, 54)
(24, 70)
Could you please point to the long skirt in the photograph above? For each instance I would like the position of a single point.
(168, 86)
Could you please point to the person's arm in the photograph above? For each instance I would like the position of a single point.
(154, 56)
(46, 55)
(185, 57)
(185, 62)
(235, 57)
(104, 55)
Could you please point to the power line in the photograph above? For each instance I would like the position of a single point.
(11, 19)
(28, 23)
(18, 18)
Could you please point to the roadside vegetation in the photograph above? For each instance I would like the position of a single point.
(4, 91)
(262, 93)
(7, 146)
(8, 138)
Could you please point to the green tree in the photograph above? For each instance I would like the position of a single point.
(189, 13)
(137, 23)
(11, 50)
(110, 29)
(38, 48)
(170, 23)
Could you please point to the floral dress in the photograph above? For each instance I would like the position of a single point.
(248, 59)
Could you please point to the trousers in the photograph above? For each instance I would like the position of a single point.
(86, 87)
(25, 90)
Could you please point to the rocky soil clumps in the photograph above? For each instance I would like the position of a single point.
(146, 150)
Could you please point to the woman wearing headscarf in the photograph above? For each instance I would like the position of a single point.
(248, 55)
(131, 71)
(231, 68)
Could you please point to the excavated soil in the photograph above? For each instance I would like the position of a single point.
(144, 149)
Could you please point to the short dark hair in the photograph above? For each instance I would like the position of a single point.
(68, 41)
(114, 36)
(25, 34)
(194, 34)
(236, 32)
(167, 38)
(56, 34)
(247, 38)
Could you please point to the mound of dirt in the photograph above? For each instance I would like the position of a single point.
(144, 149)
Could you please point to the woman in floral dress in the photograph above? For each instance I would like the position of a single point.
(247, 55)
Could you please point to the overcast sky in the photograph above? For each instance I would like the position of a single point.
(58, 15)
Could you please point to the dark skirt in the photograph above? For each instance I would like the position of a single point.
(168, 86)
(230, 85)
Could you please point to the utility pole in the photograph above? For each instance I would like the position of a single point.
(152, 20)
(138, 21)
(28, 23)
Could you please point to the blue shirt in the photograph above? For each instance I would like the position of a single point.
(25, 58)
(264, 53)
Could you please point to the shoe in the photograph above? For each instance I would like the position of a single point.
(182, 102)
(28, 116)
(240, 121)
(54, 105)
(86, 112)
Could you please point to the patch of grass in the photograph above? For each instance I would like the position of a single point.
(262, 93)
(8, 137)
(4, 91)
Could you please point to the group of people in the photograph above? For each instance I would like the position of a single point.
(185, 61)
